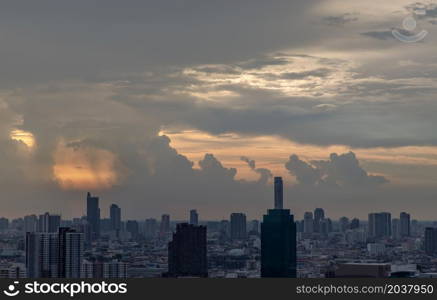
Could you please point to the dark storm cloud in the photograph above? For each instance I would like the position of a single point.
(53, 40)
(340, 170)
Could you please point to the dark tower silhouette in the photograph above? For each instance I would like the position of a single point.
(278, 241)
(93, 215)
(187, 252)
(279, 195)
(194, 217)
(115, 217)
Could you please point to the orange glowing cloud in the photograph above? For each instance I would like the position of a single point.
(23, 136)
(84, 168)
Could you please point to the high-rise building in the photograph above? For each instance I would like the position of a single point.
(54, 255)
(405, 224)
(30, 223)
(49, 223)
(194, 217)
(430, 243)
(278, 244)
(42, 253)
(187, 254)
(150, 228)
(379, 225)
(93, 215)
(133, 228)
(4, 224)
(115, 217)
(319, 215)
(355, 223)
(344, 224)
(254, 227)
(238, 226)
(71, 248)
(165, 225)
(308, 222)
(396, 229)
(278, 193)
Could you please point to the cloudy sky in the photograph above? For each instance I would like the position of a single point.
(163, 106)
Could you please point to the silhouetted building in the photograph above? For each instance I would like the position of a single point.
(187, 254)
(355, 223)
(279, 193)
(194, 217)
(115, 217)
(396, 229)
(4, 224)
(430, 243)
(42, 253)
(165, 225)
(70, 255)
(150, 228)
(30, 223)
(49, 223)
(93, 216)
(133, 228)
(278, 244)
(308, 222)
(319, 215)
(405, 224)
(254, 227)
(238, 226)
(344, 224)
(379, 225)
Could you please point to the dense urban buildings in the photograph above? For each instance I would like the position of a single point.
(313, 246)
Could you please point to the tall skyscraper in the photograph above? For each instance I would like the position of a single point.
(150, 228)
(115, 217)
(344, 224)
(254, 227)
(187, 254)
(279, 193)
(54, 255)
(430, 243)
(405, 224)
(133, 228)
(319, 215)
(49, 223)
(70, 249)
(395, 229)
(165, 225)
(278, 244)
(355, 223)
(308, 222)
(42, 253)
(194, 217)
(238, 226)
(379, 225)
(30, 223)
(93, 215)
